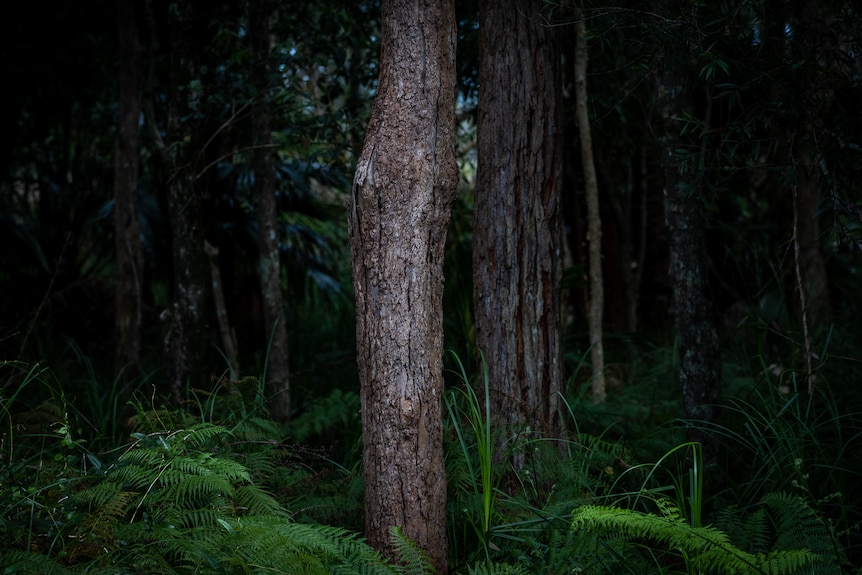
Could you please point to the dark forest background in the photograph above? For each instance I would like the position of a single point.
(776, 117)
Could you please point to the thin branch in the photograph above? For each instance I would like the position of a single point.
(806, 336)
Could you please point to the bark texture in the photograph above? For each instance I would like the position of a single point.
(405, 182)
(187, 319)
(127, 228)
(277, 384)
(516, 229)
(596, 303)
(697, 335)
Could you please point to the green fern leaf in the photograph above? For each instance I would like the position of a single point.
(702, 547)
(413, 560)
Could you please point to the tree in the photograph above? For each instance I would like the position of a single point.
(516, 227)
(127, 228)
(696, 334)
(187, 318)
(405, 183)
(812, 47)
(595, 306)
(277, 382)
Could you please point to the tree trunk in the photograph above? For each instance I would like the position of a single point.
(516, 229)
(815, 48)
(697, 336)
(405, 183)
(189, 332)
(595, 307)
(127, 228)
(277, 369)
(228, 335)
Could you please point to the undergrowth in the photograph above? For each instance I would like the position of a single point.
(215, 486)
(190, 492)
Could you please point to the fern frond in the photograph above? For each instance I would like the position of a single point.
(106, 506)
(257, 429)
(201, 434)
(798, 527)
(255, 501)
(270, 544)
(491, 568)
(412, 559)
(703, 547)
(750, 533)
(189, 490)
(99, 494)
(14, 561)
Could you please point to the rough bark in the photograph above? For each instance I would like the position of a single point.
(595, 305)
(696, 332)
(516, 229)
(277, 384)
(405, 182)
(127, 229)
(187, 319)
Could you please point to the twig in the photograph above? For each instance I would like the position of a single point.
(806, 337)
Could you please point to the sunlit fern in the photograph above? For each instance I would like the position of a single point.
(700, 549)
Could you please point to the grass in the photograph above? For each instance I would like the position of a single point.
(479, 441)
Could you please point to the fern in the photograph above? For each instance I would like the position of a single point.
(751, 533)
(413, 560)
(267, 545)
(490, 568)
(702, 548)
(29, 563)
(175, 509)
(799, 527)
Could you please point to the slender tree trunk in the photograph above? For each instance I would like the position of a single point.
(127, 229)
(595, 307)
(814, 36)
(228, 335)
(697, 336)
(277, 382)
(187, 319)
(405, 182)
(516, 228)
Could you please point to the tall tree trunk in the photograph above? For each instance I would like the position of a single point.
(516, 228)
(277, 383)
(127, 228)
(816, 49)
(189, 332)
(405, 183)
(697, 336)
(595, 306)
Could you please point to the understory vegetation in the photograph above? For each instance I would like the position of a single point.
(214, 486)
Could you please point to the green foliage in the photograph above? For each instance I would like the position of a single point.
(184, 499)
(175, 501)
(797, 526)
(480, 443)
(16, 561)
(487, 568)
(789, 522)
(412, 559)
(784, 440)
(337, 413)
(700, 549)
